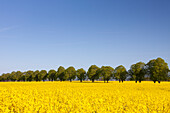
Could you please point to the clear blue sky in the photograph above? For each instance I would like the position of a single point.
(44, 34)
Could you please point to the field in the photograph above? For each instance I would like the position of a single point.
(98, 97)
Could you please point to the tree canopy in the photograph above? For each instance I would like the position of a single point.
(70, 73)
(92, 73)
(155, 70)
(106, 72)
(60, 73)
(52, 75)
(137, 71)
(81, 74)
(120, 73)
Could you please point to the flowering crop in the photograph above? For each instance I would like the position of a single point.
(75, 97)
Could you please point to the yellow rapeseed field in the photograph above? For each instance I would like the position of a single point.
(86, 97)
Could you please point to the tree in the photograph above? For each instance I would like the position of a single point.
(92, 72)
(157, 69)
(29, 75)
(42, 75)
(52, 75)
(26, 75)
(137, 71)
(169, 75)
(1, 78)
(106, 72)
(120, 73)
(60, 73)
(13, 76)
(81, 74)
(36, 73)
(5, 77)
(18, 75)
(70, 73)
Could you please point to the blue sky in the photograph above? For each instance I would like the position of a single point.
(41, 34)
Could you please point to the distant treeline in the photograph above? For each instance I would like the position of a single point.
(155, 70)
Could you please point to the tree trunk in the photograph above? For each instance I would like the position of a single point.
(159, 82)
(154, 81)
(139, 81)
(136, 81)
(92, 80)
(104, 80)
(122, 81)
(70, 80)
(119, 80)
(107, 81)
(80, 80)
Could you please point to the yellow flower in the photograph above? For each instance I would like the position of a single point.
(75, 97)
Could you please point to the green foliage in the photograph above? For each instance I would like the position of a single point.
(26, 75)
(92, 72)
(81, 74)
(52, 75)
(120, 73)
(29, 75)
(157, 69)
(70, 73)
(5, 77)
(42, 75)
(60, 73)
(13, 76)
(35, 74)
(106, 72)
(137, 71)
(18, 75)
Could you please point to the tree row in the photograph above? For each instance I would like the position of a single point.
(155, 70)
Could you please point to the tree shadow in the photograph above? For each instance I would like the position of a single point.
(91, 82)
